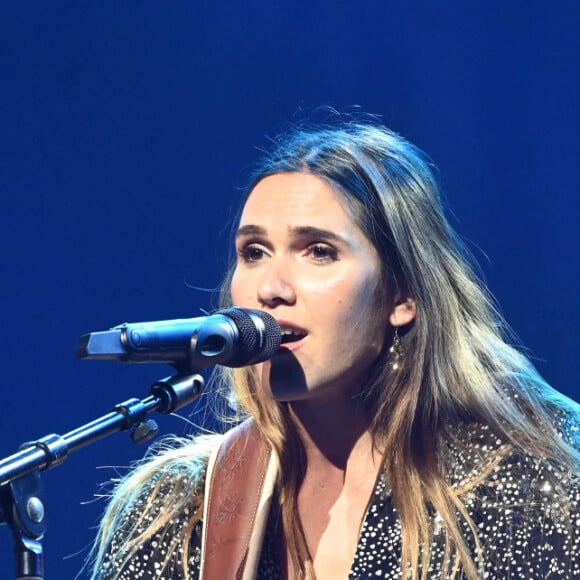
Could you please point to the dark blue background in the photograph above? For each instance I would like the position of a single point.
(127, 129)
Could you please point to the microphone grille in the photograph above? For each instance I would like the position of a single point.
(257, 342)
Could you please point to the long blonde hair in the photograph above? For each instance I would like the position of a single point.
(458, 364)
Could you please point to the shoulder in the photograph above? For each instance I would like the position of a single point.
(175, 463)
(153, 512)
(525, 507)
(473, 452)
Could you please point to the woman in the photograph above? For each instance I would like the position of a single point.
(395, 434)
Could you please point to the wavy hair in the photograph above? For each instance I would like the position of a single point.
(459, 365)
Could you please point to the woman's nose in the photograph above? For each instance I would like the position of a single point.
(276, 285)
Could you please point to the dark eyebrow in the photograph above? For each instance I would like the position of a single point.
(250, 231)
(297, 232)
(311, 231)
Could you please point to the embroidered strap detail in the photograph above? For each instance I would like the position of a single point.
(235, 494)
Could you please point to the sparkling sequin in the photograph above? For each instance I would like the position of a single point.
(526, 511)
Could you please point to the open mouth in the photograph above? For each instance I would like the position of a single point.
(291, 335)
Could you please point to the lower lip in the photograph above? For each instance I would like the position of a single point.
(290, 346)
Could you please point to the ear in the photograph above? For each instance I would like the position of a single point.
(403, 313)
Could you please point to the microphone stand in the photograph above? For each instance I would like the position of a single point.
(22, 497)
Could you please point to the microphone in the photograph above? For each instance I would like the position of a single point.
(232, 337)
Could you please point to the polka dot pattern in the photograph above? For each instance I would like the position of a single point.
(526, 512)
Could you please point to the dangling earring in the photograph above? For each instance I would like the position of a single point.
(396, 352)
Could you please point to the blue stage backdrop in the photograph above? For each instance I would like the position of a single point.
(127, 132)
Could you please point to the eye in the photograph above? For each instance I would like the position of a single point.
(322, 252)
(251, 253)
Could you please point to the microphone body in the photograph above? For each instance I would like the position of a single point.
(231, 337)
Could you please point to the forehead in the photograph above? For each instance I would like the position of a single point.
(297, 199)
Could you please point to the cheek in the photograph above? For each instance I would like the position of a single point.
(367, 313)
(358, 296)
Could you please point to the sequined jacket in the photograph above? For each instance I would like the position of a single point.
(526, 512)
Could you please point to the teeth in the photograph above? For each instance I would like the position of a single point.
(288, 332)
(291, 334)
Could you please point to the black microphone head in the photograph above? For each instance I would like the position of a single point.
(259, 339)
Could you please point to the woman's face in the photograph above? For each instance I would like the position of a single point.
(303, 260)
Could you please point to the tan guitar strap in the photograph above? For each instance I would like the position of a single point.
(239, 485)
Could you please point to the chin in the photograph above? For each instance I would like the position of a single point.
(283, 378)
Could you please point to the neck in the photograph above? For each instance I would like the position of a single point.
(332, 432)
